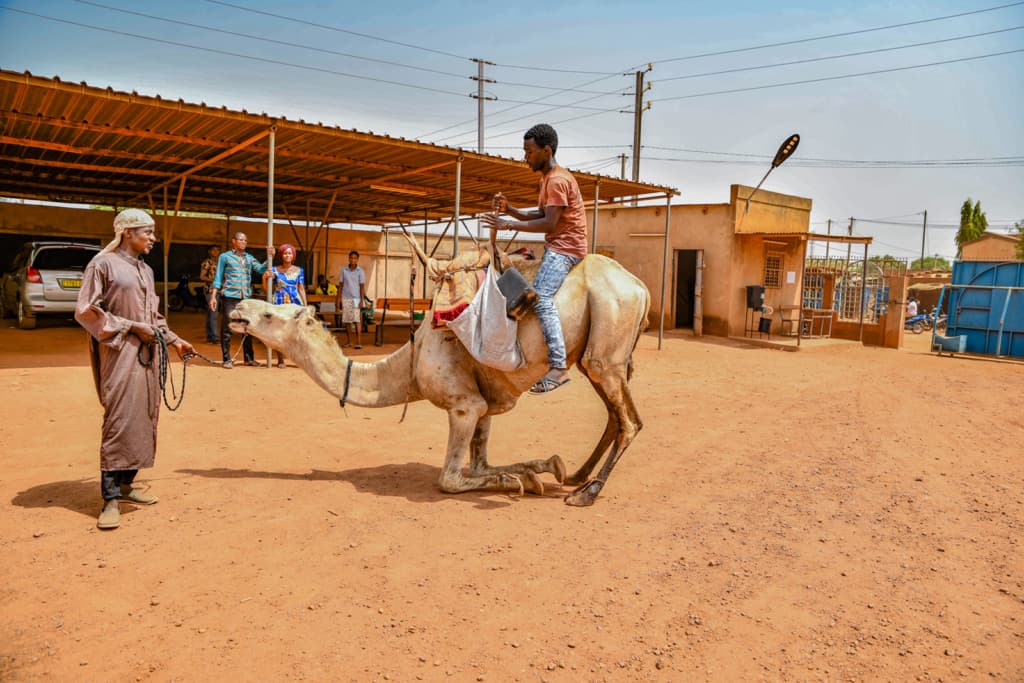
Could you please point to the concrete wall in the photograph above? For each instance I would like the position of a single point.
(733, 258)
(990, 248)
(634, 237)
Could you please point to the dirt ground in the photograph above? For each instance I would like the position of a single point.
(838, 514)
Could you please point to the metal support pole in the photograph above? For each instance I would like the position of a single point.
(167, 290)
(622, 171)
(597, 197)
(458, 199)
(924, 231)
(800, 301)
(270, 226)
(828, 231)
(664, 271)
(863, 289)
(424, 251)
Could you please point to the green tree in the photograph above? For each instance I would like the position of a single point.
(930, 263)
(1019, 227)
(973, 223)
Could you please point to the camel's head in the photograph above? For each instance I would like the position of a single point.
(273, 324)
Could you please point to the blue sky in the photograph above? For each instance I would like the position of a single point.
(697, 142)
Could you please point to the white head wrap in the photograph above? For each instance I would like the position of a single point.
(129, 218)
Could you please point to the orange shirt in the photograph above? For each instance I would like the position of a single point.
(559, 188)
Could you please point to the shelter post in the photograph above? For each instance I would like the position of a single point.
(597, 197)
(458, 198)
(863, 289)
(424, 251)
(270, 226)
(800, 300)
(664, 270)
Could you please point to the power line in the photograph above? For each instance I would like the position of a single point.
(240, 55)
(270, 40)
(1014, 158)
(806, 163)
(336, 29)
(836, 35)
(508, 109)
(836, 78)
(840, 56)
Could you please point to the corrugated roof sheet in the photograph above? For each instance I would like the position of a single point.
(67, 142)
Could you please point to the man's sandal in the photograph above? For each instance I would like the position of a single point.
(547, 385)
(140, 497)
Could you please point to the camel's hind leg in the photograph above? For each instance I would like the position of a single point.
(527, 471)
(612, 384)
(611, 430)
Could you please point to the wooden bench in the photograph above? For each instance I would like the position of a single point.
(395, 311)
(325, 306)
(790, 317)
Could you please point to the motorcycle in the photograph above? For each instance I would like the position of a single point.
(916, 324)
(182, 296)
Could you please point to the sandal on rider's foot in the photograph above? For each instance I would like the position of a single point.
(254, 363)
(281, 365)
(547, 385)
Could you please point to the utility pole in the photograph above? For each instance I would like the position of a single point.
(828, 231)
(480, 80)
(924, 231)
(638, 116)
(622, 158)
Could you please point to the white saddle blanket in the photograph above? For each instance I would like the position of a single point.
(486, 331)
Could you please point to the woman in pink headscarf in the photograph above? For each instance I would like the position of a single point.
(289, 283)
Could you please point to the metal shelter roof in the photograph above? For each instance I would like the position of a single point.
(74, 143)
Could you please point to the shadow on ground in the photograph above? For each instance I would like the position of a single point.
(81, 495)
(413, 481)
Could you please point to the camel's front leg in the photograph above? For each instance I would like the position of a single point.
(463, 421)
(527, 471)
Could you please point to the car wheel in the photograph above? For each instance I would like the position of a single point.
(25, 321)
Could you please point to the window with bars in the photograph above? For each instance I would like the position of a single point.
(773, 269)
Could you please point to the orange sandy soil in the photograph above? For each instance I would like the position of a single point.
(838, 514)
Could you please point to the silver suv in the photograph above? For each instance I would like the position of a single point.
(44, 278)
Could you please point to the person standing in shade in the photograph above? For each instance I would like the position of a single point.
(231, 284)
(353, 291)
(207, 271)
(289, 283)
(118, 307)
(560, 215)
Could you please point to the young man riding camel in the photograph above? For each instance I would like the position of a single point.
(561, 217)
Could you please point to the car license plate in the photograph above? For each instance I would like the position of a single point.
(67, 283)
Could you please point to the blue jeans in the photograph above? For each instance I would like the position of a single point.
(554, 267)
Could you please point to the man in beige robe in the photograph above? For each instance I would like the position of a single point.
(118, 306)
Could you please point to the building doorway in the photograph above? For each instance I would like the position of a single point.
(689, 289)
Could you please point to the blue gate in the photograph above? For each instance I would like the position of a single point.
(986, 305)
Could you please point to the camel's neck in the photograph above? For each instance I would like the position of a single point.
(386, 382)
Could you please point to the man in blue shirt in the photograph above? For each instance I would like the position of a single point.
(353, 291)
(232, 283)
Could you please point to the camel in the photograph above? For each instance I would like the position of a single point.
(603, 308)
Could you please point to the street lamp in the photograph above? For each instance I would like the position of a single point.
(786, 150)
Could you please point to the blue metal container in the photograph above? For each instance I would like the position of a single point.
(986, 305)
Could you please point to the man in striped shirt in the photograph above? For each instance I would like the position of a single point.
(232, 283)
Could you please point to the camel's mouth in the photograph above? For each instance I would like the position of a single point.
(238, 323)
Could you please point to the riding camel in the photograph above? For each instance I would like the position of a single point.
(603, 308)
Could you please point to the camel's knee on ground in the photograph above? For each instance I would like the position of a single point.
(450, 482)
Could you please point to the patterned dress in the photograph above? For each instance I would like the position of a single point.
(286, 290)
